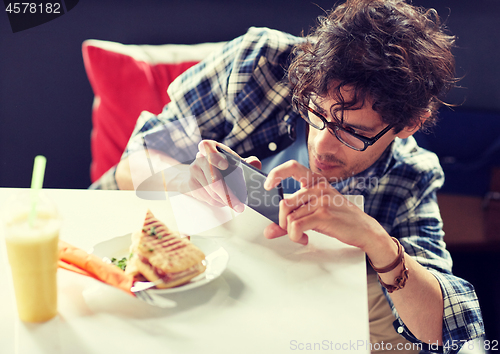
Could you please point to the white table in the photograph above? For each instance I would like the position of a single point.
(274, 297)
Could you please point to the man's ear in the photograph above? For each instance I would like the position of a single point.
(408, 131)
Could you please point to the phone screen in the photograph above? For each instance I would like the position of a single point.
(247, 184)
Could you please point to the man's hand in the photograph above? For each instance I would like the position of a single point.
(204, 181)
(201, 179)
(318, 206)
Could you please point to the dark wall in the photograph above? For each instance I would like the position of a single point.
(45, 97)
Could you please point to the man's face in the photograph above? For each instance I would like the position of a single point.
(336, 161)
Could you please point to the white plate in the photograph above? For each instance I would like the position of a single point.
(215, 256)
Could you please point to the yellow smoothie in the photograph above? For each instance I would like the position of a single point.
(33, 254)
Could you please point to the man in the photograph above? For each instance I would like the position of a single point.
(352, 93)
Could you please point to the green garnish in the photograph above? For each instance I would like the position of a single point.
(121, 263)
(152, 231)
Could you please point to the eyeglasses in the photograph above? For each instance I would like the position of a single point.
(345, 134)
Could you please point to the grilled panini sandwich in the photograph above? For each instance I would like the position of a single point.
(159, 253)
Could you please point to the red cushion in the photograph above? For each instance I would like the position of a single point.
(126, 80)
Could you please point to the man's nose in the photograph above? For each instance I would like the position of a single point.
(326, 142)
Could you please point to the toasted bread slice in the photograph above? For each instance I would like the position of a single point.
(131, 267)
(164, 254)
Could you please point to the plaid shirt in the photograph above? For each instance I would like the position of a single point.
(238, 97)
(400, 193)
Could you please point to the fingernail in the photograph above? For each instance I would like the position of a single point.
(222, 164)
(239, 208)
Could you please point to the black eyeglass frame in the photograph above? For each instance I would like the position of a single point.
(334, 127)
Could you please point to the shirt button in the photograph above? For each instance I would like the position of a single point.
(272, 146)
(400, 329)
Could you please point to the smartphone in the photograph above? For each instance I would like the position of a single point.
(247, 184)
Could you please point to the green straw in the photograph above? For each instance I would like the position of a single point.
(36, 185)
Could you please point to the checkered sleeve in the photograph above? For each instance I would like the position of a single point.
(196, 110)
(418, 226)
(228, 97)
(199, 94)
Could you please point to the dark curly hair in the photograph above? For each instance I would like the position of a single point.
(394, 54)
